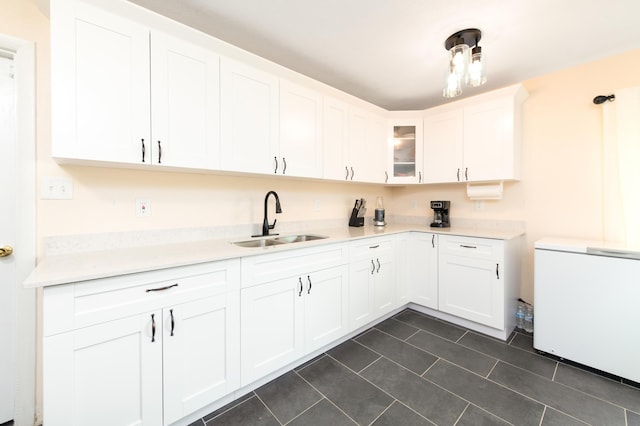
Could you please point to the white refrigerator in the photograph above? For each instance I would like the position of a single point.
(587, 300)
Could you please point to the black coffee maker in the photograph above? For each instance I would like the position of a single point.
(440, 214)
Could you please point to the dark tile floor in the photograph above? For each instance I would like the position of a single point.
(413, 369)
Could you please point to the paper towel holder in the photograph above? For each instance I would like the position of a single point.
(485, 190)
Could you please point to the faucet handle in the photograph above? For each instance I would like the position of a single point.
(274, 224)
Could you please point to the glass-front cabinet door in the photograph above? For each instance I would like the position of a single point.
(405, 152)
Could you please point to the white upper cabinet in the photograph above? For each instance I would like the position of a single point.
(100, 84)
(404, 151)
(122, 92)
(476, 139)
(249, 119)
(185, 103)
(335, 120)
(443, 144)
(300, 131)
(367, 142)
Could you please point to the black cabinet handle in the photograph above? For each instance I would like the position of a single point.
(276, 169)
(284, 165)
(386, 177)
(159, 153)
(352, 173)
(153, 328)
(173, 324)
(433, 241)
(419, 177)
(466, 246)
(497, 272)
(458, 174)
(143, 150)
(161, 288)
(309, 279)
(378, 270)
(346, 176)
(466, 173)
(374, 247)
(300, 281)
(373, 267)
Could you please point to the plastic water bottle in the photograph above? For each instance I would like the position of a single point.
(520, 313)
(528, 319)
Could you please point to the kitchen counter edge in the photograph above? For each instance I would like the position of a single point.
(77, 267)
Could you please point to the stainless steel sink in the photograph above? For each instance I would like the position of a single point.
(300, 238)
(258, 243)
(266, 242)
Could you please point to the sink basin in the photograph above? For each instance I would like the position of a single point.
(266, 242)
(258, 243)
(300, 238)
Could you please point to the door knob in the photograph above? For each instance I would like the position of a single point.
(6, 251)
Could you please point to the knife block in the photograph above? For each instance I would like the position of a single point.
(354, 220)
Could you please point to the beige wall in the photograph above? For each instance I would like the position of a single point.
(560, 192)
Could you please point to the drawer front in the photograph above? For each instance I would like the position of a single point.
(78, 305)
(366, 248)
(478, 248)
(271, 267)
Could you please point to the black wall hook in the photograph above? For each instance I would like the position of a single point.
(602, 99)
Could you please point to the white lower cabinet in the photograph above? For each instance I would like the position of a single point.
(177, 354)
(477, 280)
(285, 318)
(372, 280)
(418, 269)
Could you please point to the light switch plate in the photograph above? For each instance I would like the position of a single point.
(56, 188)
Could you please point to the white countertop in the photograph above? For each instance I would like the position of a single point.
(75, 267)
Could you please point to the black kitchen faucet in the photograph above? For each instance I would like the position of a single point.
(265, 223)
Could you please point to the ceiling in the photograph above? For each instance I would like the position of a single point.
(391, 52)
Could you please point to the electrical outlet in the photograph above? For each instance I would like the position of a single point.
(143, 207)
(479, 204)
(56, 188)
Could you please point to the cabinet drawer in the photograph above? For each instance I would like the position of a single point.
(78, 305)
(479, 248)
(270, 267)
(364, 249)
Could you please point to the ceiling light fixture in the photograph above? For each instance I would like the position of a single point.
(464, 67)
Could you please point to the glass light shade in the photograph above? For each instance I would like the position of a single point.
(459, 58)
(477, 72)
(452, 84)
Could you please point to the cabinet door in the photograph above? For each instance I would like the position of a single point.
(404, 154)
(300, 131)
(249, 119)
(443, 144)
(421, 268)
(384, 284)
(361, 299)
(201, 353)
(184, 104)
(335, 139)
(326, 306)
(108, 374)
(99, 84)
(471, 288)
(272, 327)
(489, 140)
(367, 136)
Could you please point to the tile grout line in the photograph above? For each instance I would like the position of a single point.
(325, 396)
(269, 409)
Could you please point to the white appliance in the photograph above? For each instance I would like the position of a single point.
(587, 300)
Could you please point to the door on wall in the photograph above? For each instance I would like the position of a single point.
(7, 236)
